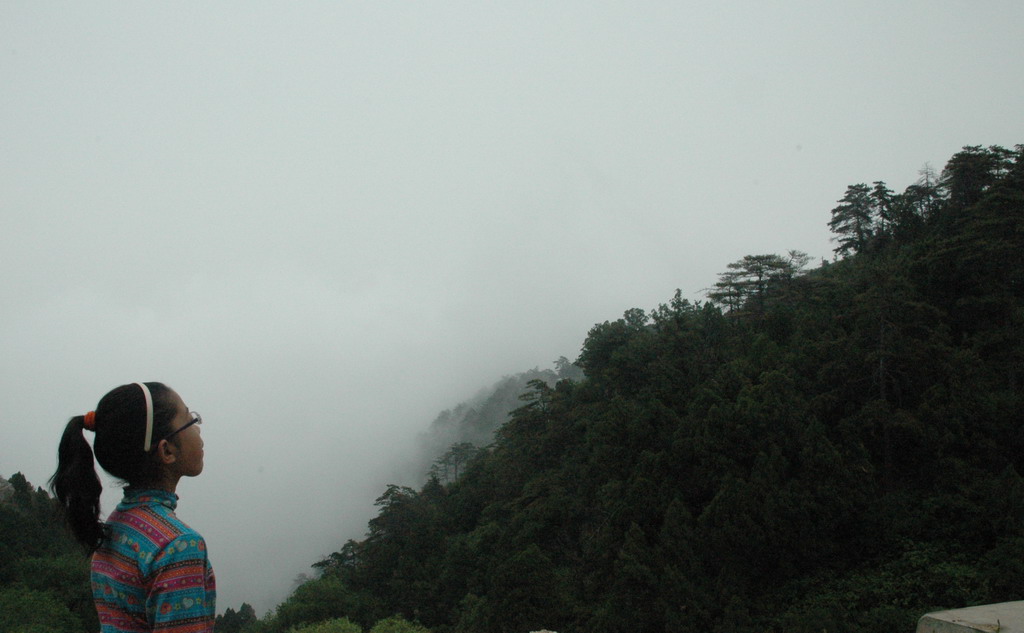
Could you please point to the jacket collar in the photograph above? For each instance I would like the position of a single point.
(134, 497)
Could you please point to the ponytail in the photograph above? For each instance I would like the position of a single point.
(76, 485)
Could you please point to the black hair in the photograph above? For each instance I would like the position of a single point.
(120, 426)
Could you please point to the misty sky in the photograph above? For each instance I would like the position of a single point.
(324, 222)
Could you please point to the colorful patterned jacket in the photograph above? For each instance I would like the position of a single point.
(152, 572)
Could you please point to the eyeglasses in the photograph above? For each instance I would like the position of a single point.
(196, 419)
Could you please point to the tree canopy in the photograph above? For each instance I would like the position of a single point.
(834, 448)
(44, 575)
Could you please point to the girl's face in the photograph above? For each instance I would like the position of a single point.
(188, 442)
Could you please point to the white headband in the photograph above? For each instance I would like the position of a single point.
(149, 415)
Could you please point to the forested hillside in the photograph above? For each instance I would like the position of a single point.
(834, 448)
(829, 449)
(44, 578)
(455, 433)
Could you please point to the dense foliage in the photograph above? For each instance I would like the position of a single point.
(44, 576)
(835, 449)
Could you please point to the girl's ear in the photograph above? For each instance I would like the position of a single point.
(166, 452)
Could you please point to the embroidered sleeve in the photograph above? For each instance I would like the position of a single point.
(183, 590)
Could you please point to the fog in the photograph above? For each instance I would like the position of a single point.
(323, 223)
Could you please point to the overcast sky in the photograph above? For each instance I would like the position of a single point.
(324, 222)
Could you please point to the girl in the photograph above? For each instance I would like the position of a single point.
(150, 571)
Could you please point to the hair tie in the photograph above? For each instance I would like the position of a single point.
(90, 421)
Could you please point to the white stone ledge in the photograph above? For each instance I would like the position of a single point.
(1004, 617)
